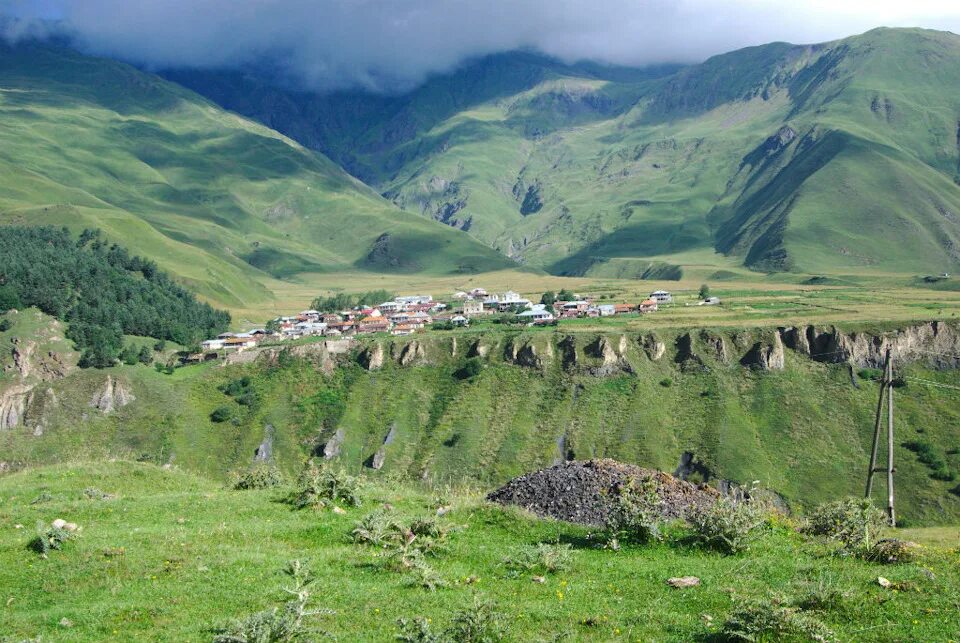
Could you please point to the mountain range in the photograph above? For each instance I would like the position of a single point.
(840, 158)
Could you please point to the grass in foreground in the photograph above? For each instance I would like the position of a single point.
(165, 555)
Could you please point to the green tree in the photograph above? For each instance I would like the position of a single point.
(704, 291)
(145, 356)
(548, 298)
(8, 298)
(566, 295)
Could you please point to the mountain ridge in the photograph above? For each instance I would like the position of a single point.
(575, 173)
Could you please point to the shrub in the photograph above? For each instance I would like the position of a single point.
(93, 493)
(280, 624)
(5, 325)
(42, 497)
(762, 620)
(221, 414)
(376, 528)
(634, 516)
(542, 558)
(258, 477)
(50, 538)
(891, 550)
(727, 525)
(666, 382)
(319, 485)
(470, 369)
(853, 522)
(417, 630)
(479, 623)
(875, 374)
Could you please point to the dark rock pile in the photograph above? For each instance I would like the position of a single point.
(586, 492)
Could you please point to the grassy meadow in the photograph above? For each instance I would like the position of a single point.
(171, 556)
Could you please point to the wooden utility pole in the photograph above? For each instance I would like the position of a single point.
(886, 388)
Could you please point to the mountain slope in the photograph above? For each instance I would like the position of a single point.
(226, 205)
(578, 171)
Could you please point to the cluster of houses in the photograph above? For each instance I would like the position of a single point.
(413, 313)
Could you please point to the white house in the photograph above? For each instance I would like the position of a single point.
(607, 310)
(212, 344)
(415, 300)
(538, 313)
(459, 320)
(661, 296)
(388, 307)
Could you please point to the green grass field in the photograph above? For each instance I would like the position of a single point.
(172, 556)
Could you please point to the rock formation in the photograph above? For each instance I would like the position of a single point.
(111, 396)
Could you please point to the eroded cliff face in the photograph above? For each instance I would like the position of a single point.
(936, 342)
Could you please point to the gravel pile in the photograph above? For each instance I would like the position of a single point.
(585, 492)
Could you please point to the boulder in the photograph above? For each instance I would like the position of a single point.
(332, 448)
(683, 582)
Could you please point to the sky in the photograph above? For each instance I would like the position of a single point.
(391, 44)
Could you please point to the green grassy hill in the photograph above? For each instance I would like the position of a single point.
(224, 204)
(540, 397)
(838, 158)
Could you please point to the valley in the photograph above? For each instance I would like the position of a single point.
(167, 473)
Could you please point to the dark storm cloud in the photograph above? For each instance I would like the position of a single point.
(382, 43)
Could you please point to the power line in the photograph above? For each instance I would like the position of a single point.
(931, 382)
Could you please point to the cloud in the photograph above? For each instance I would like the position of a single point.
(382, 44)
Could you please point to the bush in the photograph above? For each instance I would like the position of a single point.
(853, 522)
(875, 374)
(479, 623)
(376, 528)
(278, 624)
(5, 325)
(50, 538)
(762, 620)
(221, 414)
(320, 485)
(635, 517)
(892, 550)
(258, 477)
(727, 526)
(666, 382)
(417, 630)
(542, 558)
(470, 369)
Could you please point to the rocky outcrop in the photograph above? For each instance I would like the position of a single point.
(652, 346)
(716, 345)
(332, 448)
(264, 451)
(111, 396)
(568, 352)
(378, 459)
(686, 357)
(371, 358)
(766, 357)
(522, 354)
(611, 361)
(13, 405)
(937, 343)
(412, 353)
(478, 349)
(22, 350)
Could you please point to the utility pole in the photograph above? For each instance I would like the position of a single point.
(886, 388)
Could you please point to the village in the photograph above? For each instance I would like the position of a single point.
(409, 314)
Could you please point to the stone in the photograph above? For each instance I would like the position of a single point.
(59, 523)
(683, 582)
